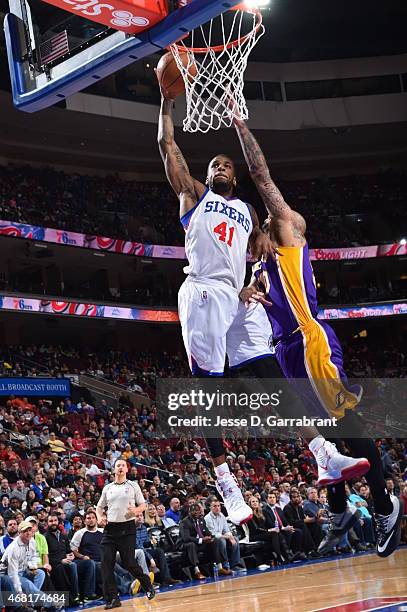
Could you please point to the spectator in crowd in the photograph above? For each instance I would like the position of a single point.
(154, 554)
(15, 473)
(22, 563)
(4, 503)
(294, 513)
(284, 494)
(263, 529)
(195, 537)
(365, 529)
(41, 544)
(162, 514)
(66, 574)
(314, 512)
(287, 533)
(10, 535)
(151, 517)
(20, 491)
(225, 545)
(77, 525)
(85, 545)
(174, 511)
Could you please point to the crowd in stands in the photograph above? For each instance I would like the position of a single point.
(56, 456)
(364, 357)
(341, 211)
(54, 463)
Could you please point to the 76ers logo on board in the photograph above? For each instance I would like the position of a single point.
(121, 19)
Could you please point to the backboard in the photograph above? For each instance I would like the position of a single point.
(53, 54)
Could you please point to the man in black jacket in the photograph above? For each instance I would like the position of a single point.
(194, 536)
(64, 574)
(295, 516)
(290, 538)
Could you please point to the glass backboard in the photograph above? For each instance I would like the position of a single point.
(53, 53)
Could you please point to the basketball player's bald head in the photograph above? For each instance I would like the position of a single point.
(221, 175)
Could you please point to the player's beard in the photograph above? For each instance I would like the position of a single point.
(221, 186)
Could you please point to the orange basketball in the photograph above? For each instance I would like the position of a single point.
(169, 76)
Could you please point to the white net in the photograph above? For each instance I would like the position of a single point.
(218, 52)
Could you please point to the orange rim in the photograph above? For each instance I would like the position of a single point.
(233, 43)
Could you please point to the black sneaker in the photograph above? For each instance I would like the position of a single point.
(340, 524)
(150, 593)
(114, 603)
(388, 529)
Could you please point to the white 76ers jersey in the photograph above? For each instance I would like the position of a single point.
(217, 233)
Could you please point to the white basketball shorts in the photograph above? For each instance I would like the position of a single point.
(214, 323)
(250, 336)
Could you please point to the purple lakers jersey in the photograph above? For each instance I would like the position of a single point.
(289, 284)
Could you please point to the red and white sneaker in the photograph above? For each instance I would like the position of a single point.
(334, 467)
(238, 511)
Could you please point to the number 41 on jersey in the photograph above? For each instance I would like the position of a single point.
(225, 233)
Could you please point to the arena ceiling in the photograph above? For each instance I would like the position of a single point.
(302, 30)
(79, 139)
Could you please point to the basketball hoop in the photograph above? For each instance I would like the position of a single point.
(219, 51)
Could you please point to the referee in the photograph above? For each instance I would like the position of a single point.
(123, 500)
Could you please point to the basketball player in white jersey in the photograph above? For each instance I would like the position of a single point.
(219, 228)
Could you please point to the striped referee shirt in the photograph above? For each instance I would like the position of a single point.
(116, 497)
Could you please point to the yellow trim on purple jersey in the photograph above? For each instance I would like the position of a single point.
(323, 374)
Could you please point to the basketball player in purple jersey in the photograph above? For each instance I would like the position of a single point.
(218, 230)
(309, 349)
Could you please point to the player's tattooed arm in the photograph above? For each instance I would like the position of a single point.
(185, 186)
(256, 162)
(259, 242)
(288, 225)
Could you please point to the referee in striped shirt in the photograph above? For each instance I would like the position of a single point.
(120, 502)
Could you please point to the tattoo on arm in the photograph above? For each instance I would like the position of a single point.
(270, 193)
(180, 159)
(175, 165)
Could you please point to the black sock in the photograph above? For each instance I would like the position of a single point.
(365, 447)
(362, 446)
(337, 497)
(215, 447)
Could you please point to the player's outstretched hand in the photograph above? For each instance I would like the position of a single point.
(263, 246)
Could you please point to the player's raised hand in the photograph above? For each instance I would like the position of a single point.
(164, 92)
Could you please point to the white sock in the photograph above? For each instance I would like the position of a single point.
(196, 569)
(219, 565)
(221, 470)
(316, 444)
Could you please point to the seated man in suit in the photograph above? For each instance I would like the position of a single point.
(194, 536)
(289, 537)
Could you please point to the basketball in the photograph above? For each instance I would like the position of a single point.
(169, 76)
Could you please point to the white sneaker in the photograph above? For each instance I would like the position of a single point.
(334, 467)
(238, 511)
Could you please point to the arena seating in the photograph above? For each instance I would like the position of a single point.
(339, 211)
(66, 463)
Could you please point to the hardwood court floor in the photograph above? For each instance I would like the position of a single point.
(302, 588)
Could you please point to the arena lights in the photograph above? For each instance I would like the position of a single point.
(403, 241)
(260, 4)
